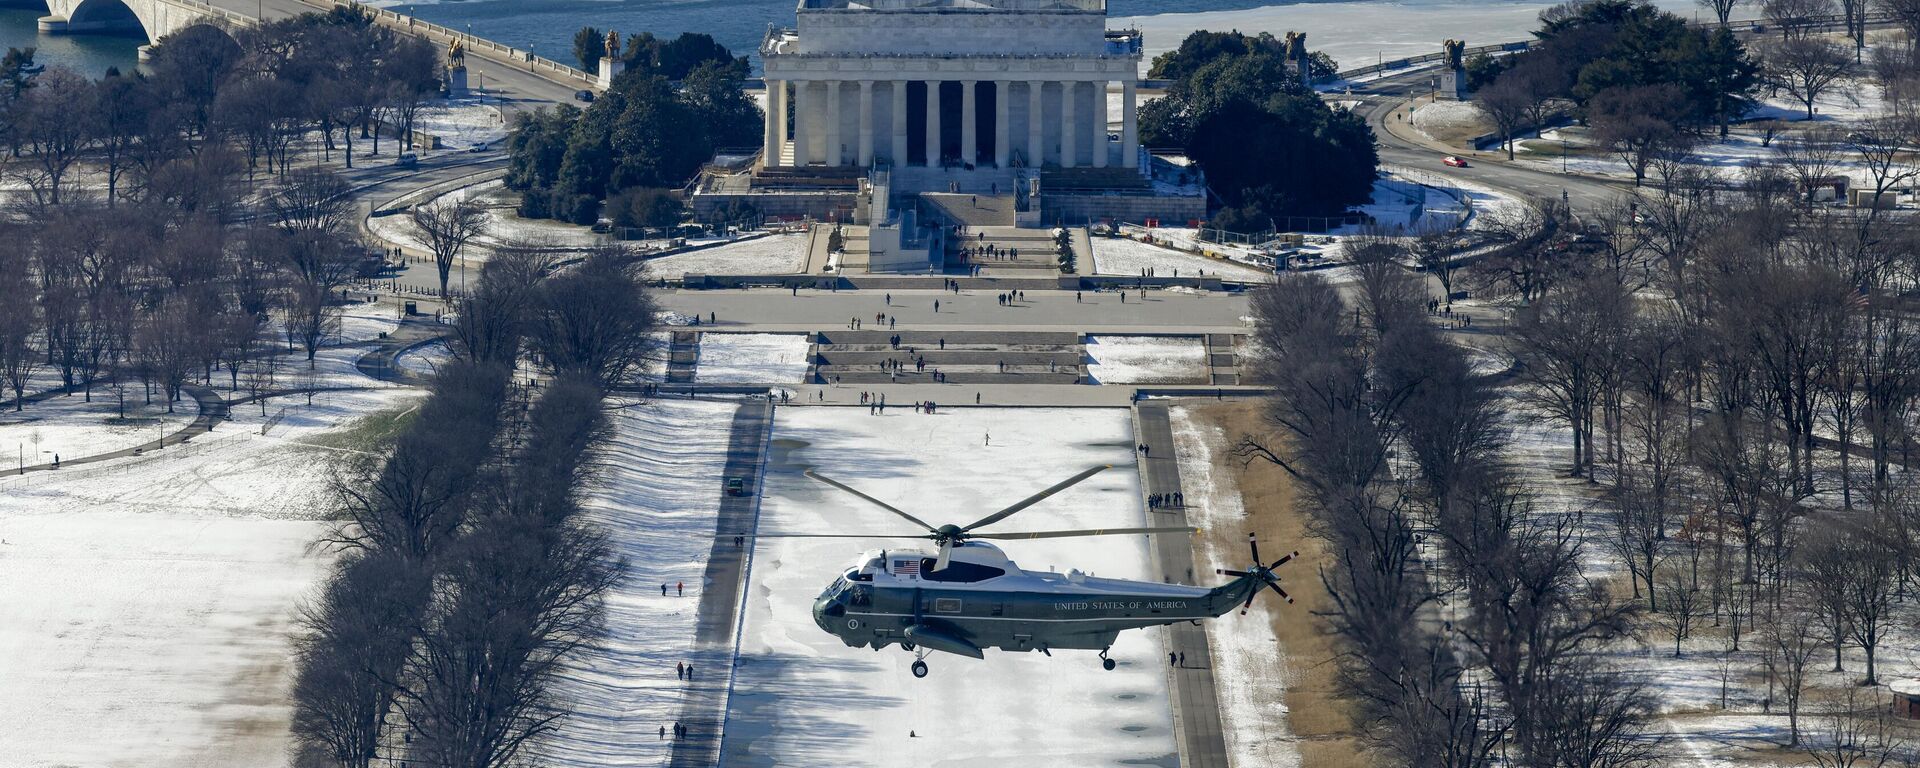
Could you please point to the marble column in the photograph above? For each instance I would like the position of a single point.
(802, 141)
(933, 123)
(770, 143)
(969, 119)
(899, 124)
(1130, 122)
(1036, 124)
(866, 123)
(780, 110)
(835, 157)
(1099, 120)
(1001, 122)
(1069, 127)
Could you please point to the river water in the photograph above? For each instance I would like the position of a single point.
(90, 55)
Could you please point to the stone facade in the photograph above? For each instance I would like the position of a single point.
(950, 83)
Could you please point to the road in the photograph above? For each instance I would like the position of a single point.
(1383, 103)
(513, 85)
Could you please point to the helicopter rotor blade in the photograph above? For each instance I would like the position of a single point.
(1036, 498)
(1282, 592)
(1082, 532)
(1283, 561)
(1255, 544)
(832, 535)
(946, 551)
(876, 502)
(1249, 603)
(1235, 574)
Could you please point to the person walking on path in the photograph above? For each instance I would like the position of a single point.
(663, 590)
(679, 670)
(682, 586)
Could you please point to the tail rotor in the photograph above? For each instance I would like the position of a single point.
(1262, 572)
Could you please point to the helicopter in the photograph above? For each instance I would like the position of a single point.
(968, 596)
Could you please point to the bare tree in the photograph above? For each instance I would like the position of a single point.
(1683, 607)
(1722, 9)
(1813, 156)
(355, 641)
(1506, 102)
(1792, 640)
(1568, 345)
(54, 139)
(1853, 733)
(594, 320)
(20, 349)
(1806, 67)
(1879, 146)
(1795, 17)
(447, 225)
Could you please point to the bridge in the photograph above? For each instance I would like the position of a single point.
(516, 74)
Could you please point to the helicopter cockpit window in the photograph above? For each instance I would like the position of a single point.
(854, 574)
(958, 572)
(861, 596)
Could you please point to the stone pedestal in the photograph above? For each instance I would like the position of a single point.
(457, 83)
(1453, 85)
(610, 68)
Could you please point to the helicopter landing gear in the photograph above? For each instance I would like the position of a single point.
(1106, 663)
(919, 665)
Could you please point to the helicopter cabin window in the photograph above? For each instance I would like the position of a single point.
(959, 572)
(854, 574)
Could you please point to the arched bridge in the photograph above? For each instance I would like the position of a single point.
(154, 18)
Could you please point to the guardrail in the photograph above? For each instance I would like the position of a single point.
(537, 65)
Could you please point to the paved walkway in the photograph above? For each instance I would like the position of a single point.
(213, 410)
(1196, 705)
(380, 363)
(704, 710)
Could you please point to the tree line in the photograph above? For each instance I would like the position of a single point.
(1269, 145)
(468, 578)
(646, 136)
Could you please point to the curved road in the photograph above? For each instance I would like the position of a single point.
(1383, 102)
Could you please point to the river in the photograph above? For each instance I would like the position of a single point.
(90, 55)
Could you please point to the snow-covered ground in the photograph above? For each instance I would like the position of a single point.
(72, 428)
(780, 254)
(1147, 360)
(1125, 256)
(752, 358)
(150, 601)
(802, 697)
(424, 360)
(462, 123)
(657, 497)
(1449, 120)
(1850, 99)
(503, 228)
(1248, 669)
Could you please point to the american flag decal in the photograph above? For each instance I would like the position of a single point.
(906, 567)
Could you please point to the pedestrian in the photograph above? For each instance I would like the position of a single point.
(943, 342)
(689, 670)
(936, 306)
(976, 398)
(1076, 297)
(682, 586)
(1147, 449)
(663, 733)
(889, 300)
(663, 590)
(1123, 297)
(1183, 658)
(712, 318)
(890, 322)
(1173, 660)
(989, 440)
(679, 670)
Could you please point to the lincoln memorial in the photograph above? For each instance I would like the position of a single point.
(950, 83)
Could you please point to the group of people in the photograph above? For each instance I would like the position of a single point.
(1176, 499)
(990, 252)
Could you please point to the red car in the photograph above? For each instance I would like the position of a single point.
(1454, 162)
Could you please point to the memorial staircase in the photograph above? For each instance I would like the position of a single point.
(969, 357)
